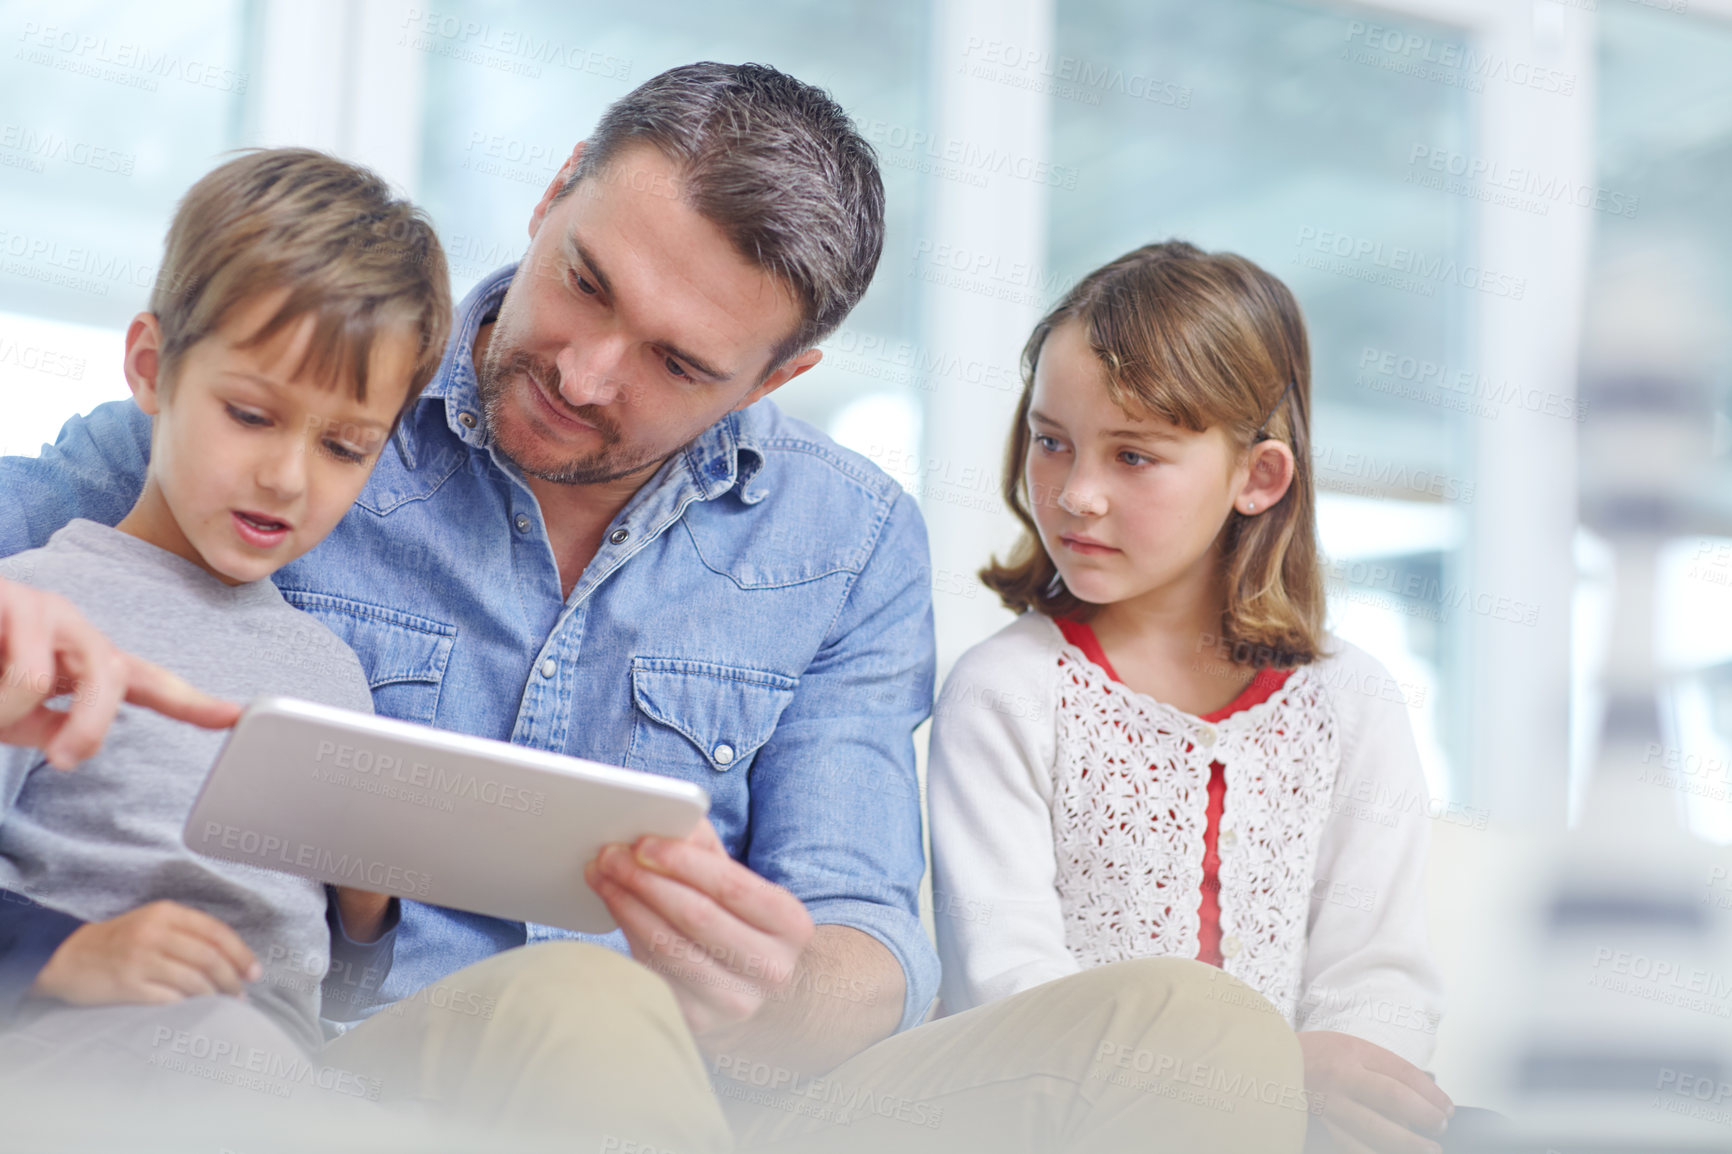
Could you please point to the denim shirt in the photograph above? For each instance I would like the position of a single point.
(758, 620)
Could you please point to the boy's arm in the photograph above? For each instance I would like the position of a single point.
(29, 935)
(29, 931)
(95, 469)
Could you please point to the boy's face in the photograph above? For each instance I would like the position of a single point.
(250, 465)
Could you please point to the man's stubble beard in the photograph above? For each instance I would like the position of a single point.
(498, 369)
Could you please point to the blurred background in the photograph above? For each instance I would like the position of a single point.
(1438, 180)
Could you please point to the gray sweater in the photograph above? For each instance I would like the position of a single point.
(105, 838)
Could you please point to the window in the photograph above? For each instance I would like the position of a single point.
(111, 113)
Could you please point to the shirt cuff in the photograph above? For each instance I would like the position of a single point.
(358, 969)
(29, 935)
(901, 934)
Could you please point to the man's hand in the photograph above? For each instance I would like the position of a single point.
(1373, 1101)
(727, 941)
(159, 953)
(47, 649)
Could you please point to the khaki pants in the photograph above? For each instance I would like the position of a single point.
(557, 1046)
(573, 1047)
(561, 1044)
(1148, 1055)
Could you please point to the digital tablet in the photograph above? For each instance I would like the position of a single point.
(423, 813)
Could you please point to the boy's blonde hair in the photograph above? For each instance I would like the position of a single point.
(1199, 339)
(352, 254)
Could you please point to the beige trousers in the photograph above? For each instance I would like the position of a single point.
(566, 1046)
(558, 1045)
(1148, 1055)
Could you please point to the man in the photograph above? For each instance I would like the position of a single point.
(592, 537)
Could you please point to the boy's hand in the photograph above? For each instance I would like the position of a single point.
(47, 649)
(1373, 1101)
(159, 953)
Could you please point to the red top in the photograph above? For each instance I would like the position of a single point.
(1261, 689)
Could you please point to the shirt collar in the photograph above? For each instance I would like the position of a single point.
(726, 454)
(453, 388)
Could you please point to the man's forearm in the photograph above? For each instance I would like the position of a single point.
(847, 993)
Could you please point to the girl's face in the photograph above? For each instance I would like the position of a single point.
(1126, 506)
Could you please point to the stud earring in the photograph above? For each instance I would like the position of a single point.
(1250, 506)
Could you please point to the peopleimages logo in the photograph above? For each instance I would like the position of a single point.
(40, 146)
(1066, 77)
(1435, 383)
(1545, 189)
(917, 366)
(422, 776)
(963, 160)
(504, 49)
(352, 869)
(1450, 61)
(1397, 266)
(120, 61)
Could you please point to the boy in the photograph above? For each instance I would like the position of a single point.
(299, 310)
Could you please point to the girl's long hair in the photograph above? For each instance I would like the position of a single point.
(1200, 339)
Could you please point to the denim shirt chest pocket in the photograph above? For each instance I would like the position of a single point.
(403, 655)
(697, 713)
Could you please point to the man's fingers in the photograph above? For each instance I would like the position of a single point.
(706, 837)
(762, 904)
(693, 913)
(156, 688)
(706, 994)
(652, 939)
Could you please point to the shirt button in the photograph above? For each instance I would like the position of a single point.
(1229, 839)
(1230, 946)
(549, 667)
(467, 418)
(618, 536)
(523, 522)
(724, 754)
(1205, 737)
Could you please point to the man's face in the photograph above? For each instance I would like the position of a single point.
(632, 326)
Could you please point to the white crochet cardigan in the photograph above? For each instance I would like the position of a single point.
(1068, 815)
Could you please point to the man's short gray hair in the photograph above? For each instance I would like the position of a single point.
(776, 164)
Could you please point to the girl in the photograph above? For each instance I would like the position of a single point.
(1165, 755)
